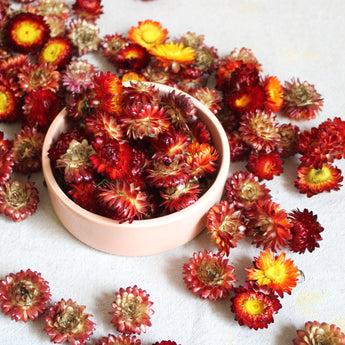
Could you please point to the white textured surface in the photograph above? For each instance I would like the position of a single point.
(300, 39)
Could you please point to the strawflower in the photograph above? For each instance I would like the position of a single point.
(274, 271)
(24, 295)
(121, 339)
(209, 275)
(323, 333)
(132, 310)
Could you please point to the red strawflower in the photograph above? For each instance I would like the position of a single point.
(78, 105)
(123, 201)
(18, 200)
(254, 306)
(165, 342)
(265, 165)
(9, 109)
(67, 321)
(312, 181)
(83, 194)
(12, 65)
(144, 120)
(209, 275)
(323, 333)
(301, 101)
(6, 165)
(289, 138)
(36, 77)
(274, 271)
(244, 55)
(27, 150)
(57, 51)
(5, 144)
(226, 225)
(40, 109)
(76, 163)
(61, 145)
(260, 131)
(140, 93)
(200, 132)
(132, 310)
(26, 32)
(245, 189)
(116, 159)
(132, 57)
(178, 197)
(168, 173)
(119, 340)
(269, 225)
(102, 124)
(202, 159)
(107, 92)
(239, 150)
(208, 97)
(88, 9)
(24, 295)
(305, 231)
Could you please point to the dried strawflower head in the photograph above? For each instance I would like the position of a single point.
(24, 295)
(121, 339)
(112, 44)
(57, 51)
(301, 101)
(239, 150)
(273, 94)
(226, 225)
(260, 131)
(84, 194)
(35, 77)
(133, 310)
(265, 165)
(88, 9)
(208, 97)
(12, 65)
(245, 55)
(209, 275)
(275, 271)
(312, 181)
(268, 225)
(148, 34)
(144, 120)
(76, 163)
(173, 55)
(132, 57)
(315, 333)
(245, 189)
(305, 231)
(18, 200)
(123, 200)
(27, 150)
(140, 93)
(67, 321)
(49, 8)
(40, 108)
(9, 110)
(26, 32)
(78, 76)
(132, 76)
(254, 306)
(84, 35)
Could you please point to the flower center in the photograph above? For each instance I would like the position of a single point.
(317, 176)
(3, 101)
(243, 101)
(149, 36)
(52, 52)
(27, 33)
(131, 54)
(68, 319)
(24, 293)
(274, 272)
(254, 306)
(210, 274)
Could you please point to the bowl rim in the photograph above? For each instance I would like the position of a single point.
(222, 174)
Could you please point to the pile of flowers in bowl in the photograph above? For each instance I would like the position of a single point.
(132, 154)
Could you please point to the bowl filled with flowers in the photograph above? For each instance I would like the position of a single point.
(138, 173)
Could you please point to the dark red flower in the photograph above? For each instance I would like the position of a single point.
(132, 57)
(88, 9)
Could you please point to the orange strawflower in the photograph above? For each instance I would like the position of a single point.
(274, 271)
(313, 181)
(148, 34)
(274, 94)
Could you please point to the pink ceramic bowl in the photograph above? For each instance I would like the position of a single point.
(141, 237)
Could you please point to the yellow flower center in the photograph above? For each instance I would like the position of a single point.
(27, 33)
(150, 36)
(131, 54)
(322, 175)
(243, 101)
(274, 272)
(254, 306)
(3, 101)
(52, 52)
